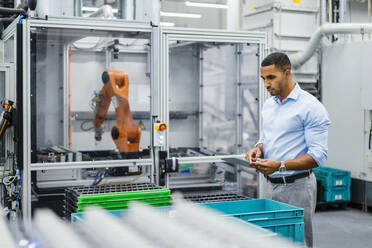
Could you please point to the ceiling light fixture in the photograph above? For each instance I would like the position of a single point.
(206, 5)
(175, 14)
(167, 24)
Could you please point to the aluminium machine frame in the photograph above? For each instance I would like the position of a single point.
(19, 75)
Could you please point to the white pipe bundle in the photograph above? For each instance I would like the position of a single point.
(165, 231)
(228, 231)
(55, 232)
(109, 231)
(184, 225)
(6, 239)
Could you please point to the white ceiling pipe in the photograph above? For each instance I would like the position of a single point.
(298, 59)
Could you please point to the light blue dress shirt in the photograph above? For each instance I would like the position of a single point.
(294, 127)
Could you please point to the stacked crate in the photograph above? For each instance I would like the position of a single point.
(335, 184)
(114, 196)
(281, 218)
(214, 197)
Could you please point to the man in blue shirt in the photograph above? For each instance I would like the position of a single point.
(293, 140)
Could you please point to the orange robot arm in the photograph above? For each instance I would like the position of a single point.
(126, 134)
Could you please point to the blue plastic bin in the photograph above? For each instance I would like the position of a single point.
(335, 194)
(331, 177)
(295, 231)
(278, 217)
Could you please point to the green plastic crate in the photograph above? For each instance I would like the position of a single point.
(125, 208)
(120, 196)
(124, 204)
(120, 200)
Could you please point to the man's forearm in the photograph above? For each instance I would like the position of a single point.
(303, 162)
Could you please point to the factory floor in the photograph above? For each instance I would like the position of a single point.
(350, 227)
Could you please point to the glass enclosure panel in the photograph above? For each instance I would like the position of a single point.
(9, 50)
(68, 95)
(203, 96)
(219, 99)
(250, 95)
(184, 96)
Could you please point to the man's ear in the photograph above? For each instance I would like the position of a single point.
(287, 73)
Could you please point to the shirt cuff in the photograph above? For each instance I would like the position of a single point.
(318, 159)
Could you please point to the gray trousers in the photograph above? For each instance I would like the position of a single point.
(300, 193)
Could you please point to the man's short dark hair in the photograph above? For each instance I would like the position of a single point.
(280, 60)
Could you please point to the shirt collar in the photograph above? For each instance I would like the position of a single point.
(295, 92)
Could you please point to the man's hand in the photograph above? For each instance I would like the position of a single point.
(266, 166)
(253, 155)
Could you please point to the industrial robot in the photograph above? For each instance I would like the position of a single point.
(126, 134)
(6, 117)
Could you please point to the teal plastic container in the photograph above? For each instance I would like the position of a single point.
(331, 177)
(336, 194)
(294, 231)
(281, 218)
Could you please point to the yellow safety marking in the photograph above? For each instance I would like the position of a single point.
(297, 1)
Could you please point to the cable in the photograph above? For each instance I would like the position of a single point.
(99, 177)
(86, 129)
(20, 186)
(9, 182)
(20, 19)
